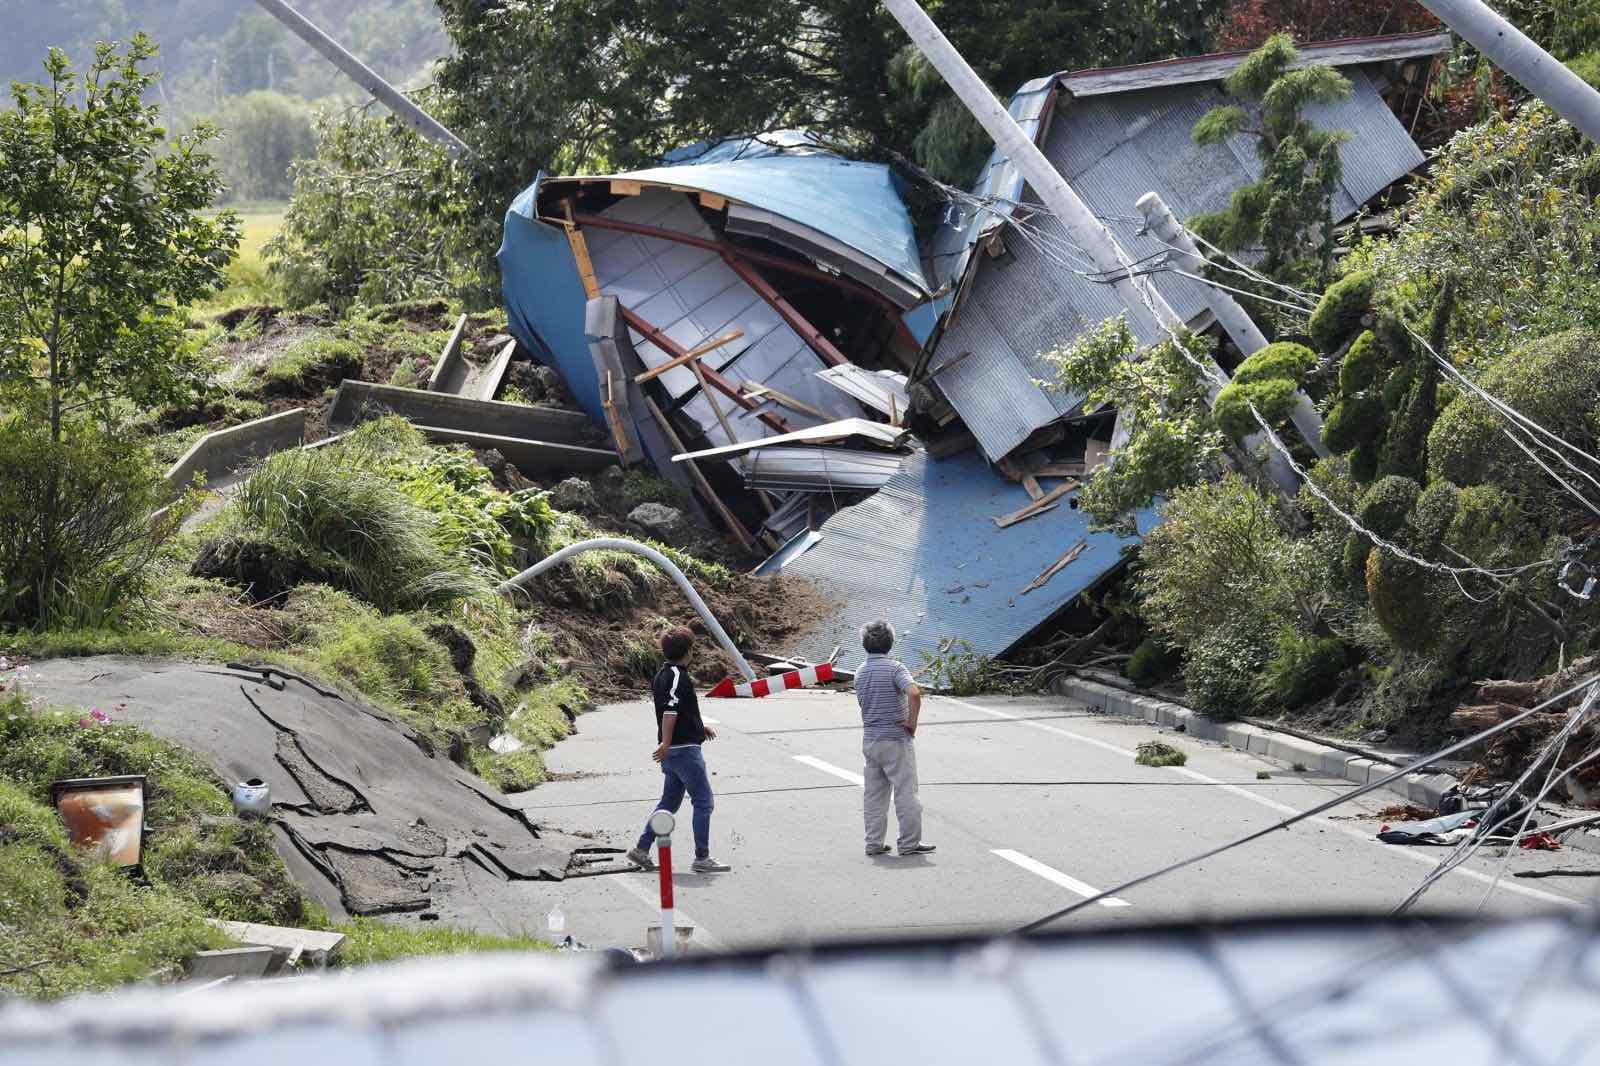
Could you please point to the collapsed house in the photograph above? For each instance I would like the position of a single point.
(868, 407)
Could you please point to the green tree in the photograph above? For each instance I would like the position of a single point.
(263, 135)
(1287, 213)
(1175, 442)
(103, 239)
(378, 215)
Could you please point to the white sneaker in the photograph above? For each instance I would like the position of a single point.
(708, 865)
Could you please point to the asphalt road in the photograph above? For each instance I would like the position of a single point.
(1033, 803)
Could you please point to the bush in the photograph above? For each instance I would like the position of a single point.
(1386, 506)
(1555, 381)
(1218, 561)
(1405, 600)
(1304, 669)
(1152, 662)
(1361, 364)
(1284, 359)
(1223, 673)
(1354, 421)
(335, 509)
(1156, 753)
(1275, 399)
(76, 533)
(1341, 309)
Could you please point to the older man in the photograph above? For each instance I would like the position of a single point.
(890, 703)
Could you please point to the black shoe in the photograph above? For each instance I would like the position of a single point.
(918, 849)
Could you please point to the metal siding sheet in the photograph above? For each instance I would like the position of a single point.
(991, 389)
(924, 553)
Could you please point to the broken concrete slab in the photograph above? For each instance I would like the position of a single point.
(535, 458)
(223, 451)
(289, 946)
(515, 420)
(229, 962)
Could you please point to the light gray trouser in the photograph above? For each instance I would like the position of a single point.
(891, 766)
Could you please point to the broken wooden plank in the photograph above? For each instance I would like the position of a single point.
(689, 356)
(1038, 506)
(734, 525)
(1059, 470)
(1031, 484)
(619, 431)
(759, 391)
(712, 201)
(1056, 567)
(580, 255)
(624, 187)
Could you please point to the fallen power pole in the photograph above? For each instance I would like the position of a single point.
(1147, 309)
(364, 76)
(1513, 52)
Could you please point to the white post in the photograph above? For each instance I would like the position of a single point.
(1137, 294)
(365, 76)
(1235, 320)
(1537, 70)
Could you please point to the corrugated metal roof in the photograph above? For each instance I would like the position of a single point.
(924, 552)
(1114, 149)
(881, 390)
(692, 295)
(818, 469)
(791, 175)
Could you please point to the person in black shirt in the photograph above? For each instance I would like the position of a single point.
(679, 733)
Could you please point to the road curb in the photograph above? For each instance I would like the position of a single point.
(1423, 789)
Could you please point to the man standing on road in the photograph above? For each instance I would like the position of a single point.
(890, 703)
(680, 732)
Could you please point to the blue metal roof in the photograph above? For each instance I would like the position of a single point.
(924, 553)
(545, 299)
(792, 175)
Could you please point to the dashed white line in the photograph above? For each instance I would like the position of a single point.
(1282, 808)
(1056, 877)
(828, 768)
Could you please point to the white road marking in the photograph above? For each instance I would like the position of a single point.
(708, 720)
(1056, 877)
(1399, 851)
(829, 768)
(651, 897)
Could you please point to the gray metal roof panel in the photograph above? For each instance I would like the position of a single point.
(924, 552)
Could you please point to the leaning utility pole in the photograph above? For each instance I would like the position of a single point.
(1235, 320)
(1535, 69)
(363, 75)
(1139, 296)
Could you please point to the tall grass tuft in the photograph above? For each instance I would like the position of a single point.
(336, 509)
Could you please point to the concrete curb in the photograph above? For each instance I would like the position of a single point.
(225, 450)
(1423, 789)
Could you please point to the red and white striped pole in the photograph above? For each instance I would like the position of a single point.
(811, 675)
(661, 824)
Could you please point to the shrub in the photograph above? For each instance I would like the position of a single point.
(1274, 398)
(1361, 364)
(1404, 601)
(76, 533)
(1304, 669)
(337, 510)
(1219, 560)
(1387, 505)
(1353, 422)
(1223, 673)
(1341, 309)
(1555, 381)
(1152, 662)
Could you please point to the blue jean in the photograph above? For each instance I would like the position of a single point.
(685, 771)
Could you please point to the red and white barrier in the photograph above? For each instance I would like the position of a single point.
(811, 675)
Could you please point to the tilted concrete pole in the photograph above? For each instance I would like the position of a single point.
(1137, 294)
(1235, 320)
(364, 76)
(1537, 70)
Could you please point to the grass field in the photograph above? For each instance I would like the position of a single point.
(248, 280)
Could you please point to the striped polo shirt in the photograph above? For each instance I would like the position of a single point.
(881, 684)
